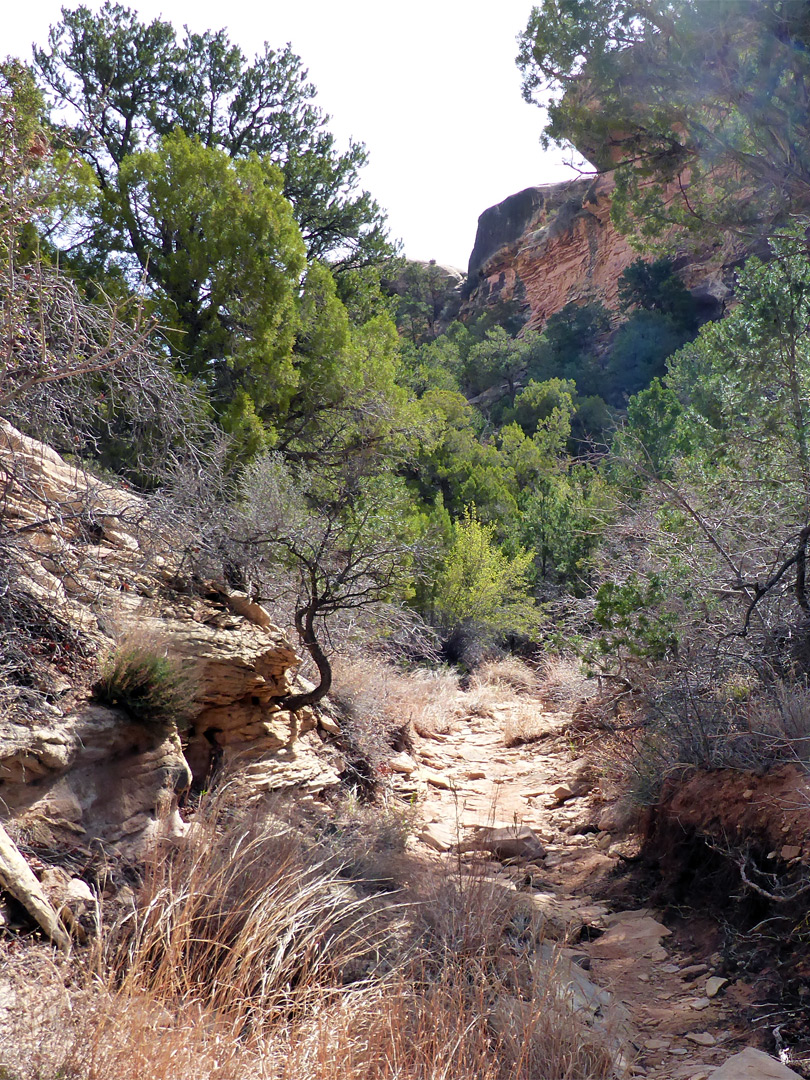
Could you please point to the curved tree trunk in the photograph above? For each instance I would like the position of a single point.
(305, 625)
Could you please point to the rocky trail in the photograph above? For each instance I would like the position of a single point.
(532, 816)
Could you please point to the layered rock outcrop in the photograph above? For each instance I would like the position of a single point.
(90, 559)
(552, 245)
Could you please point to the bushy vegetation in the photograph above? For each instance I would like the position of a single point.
(192, 293)
(141, 679)
(251, 952)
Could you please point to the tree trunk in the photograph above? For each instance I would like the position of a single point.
(305, 625)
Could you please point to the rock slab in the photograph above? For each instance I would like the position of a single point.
(751, 1064)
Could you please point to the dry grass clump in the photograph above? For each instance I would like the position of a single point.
(525, 724)
(483, 700)
(367, 842)
(380, 705)
(507, 674)
(102, 1033)
(465, 1004)
(451, 1026)
(247, 960)
(563, 683)
(241, 922)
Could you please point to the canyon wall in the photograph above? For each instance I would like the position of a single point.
(555, 244)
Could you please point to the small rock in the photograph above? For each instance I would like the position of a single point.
(436, 779)
(670, 969)
(403, 763)
(699, 1004)
(79, 891)
(678, 1051)
(656, 1044)
(701, 1038)
(714, 985)
(626, 916)
(790, 851)
(512, 842)
(748, 793)
(475, 774)
(327, 724)
(643, 977)
(604, 841)
(691, 971)
(562, 793)
(437, 836)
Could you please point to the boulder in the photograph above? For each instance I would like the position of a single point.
(751, 1064)
(632, 937)
(512, 843)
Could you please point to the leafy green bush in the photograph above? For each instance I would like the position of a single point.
(152, 687)
(482, 586)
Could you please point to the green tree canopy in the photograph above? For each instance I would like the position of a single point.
(219, 242)
(483, 587)
(724, 443)
(711, 99)
(133, 83)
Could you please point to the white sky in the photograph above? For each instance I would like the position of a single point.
(430, 86)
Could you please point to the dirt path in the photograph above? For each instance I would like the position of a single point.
(683, 1026)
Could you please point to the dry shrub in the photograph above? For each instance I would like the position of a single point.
(506, 674)
(721, 719)
(380, 705)
(525, 724)
(563, 683)
(240, 922)
(235, 968)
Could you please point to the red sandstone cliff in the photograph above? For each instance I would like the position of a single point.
(547, 246)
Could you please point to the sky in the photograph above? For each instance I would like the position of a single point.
(431, 88)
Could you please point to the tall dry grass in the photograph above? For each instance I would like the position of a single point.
(508, 674)
(453, 1026)
(380, 704)
(241, 922)
(248, 956)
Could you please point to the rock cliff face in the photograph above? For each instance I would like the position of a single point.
(548, 246)
(74, 770)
